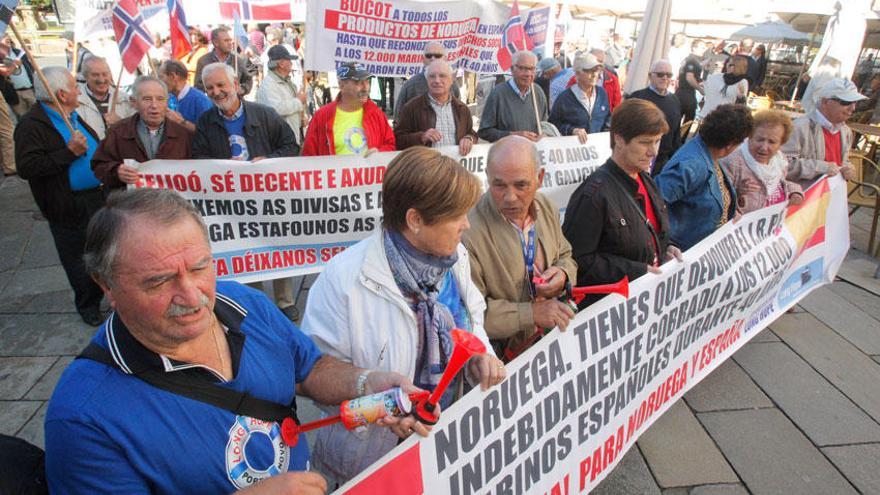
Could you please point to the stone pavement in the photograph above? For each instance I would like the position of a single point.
(797, 410)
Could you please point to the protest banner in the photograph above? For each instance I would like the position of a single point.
(213, 12)
(389, 37)
(537, 27)
(288, 216)
(574, 403)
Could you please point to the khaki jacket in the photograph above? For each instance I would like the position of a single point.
(498, 265)
(805, 150)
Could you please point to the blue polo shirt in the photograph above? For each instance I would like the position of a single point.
(80, 171)
(110, 432)
(191, 103)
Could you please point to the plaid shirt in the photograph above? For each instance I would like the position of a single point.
(445, 120)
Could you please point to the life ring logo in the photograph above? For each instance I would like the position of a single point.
(255, 451)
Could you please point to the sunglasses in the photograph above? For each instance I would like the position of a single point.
(842, 103)
(433, 55)
(662, 74)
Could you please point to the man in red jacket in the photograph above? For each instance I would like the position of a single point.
(352, 124)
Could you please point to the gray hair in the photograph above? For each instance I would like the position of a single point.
(214, 67)
(658, 62)
(58, 78)
(438, 65)
(141, 80)
(122, 208)
(89, 62)
(217, 30)
(274, 34)
(435, 43)
(597, 51)
(271, 64)
(518, 56)
(501, 146)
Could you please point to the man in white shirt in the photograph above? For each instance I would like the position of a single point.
(279, 91)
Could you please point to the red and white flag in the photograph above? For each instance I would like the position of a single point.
(132, 36)
(180, 43)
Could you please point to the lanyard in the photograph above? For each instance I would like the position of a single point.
(529, 257)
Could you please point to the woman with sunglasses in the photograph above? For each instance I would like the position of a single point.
(730, 87)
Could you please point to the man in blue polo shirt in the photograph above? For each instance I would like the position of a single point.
(185, 102)
(109, 431)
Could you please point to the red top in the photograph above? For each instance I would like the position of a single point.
(649, 214)
(833, 151)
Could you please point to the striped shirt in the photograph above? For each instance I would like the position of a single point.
(445, 120)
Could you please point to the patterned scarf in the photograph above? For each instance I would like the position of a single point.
(418, 276)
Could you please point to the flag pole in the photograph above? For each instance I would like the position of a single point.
(75, 57)
(116, 90)
(42, 76)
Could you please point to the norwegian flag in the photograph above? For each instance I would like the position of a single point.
(131, 35)
(513, 38)
(180, 43)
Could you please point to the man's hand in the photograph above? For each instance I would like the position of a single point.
(795, 199)
(487, 369)
(848, 172)
(257, 158)
(531, 136)
(128, 174)
(78, 144)
(748, 186)
(174, 116)
(465, 145)
(290, 483)
(554, 281)
(831, 169)
(654, 269)
(673, 252)
(369, 151)
(379, 381)
(431, 136)
(581, 135)
(111, 118)
(551, 313)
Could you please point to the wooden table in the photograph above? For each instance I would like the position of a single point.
(788, 105)
(871, 134)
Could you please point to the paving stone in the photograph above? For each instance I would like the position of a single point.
(5, 278)
(19, 374)
(40, 249)
(765, 335)
(44, 335)
(42, 390)
(771, 455)
(32, 431)
(823, 413)
(680, 453)
(721, 489)
(17, 195)
(36, 281)
(13, 242)
(728, 387)
(51, 302)
(845, 318)
(859, 464)
(630, 476)
(858, 269)
(857, 296)
(841, 363)
(14, 414)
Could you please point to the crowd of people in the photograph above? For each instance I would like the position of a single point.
(496, 264)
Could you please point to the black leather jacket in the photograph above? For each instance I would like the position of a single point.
(266, 134)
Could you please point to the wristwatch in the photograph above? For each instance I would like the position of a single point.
(361, 384)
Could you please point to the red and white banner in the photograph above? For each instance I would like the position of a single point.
(390, 37)
(574, 403)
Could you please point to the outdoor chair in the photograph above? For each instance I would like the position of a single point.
(864, 191)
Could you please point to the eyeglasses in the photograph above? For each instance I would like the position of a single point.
(662, 74)
(433, 55)
(525, 68)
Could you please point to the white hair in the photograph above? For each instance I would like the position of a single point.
(518, 56)
(658, 62)
(438, 66)
(141, 80)
(214, 67)
(58, 78)
(88, 63)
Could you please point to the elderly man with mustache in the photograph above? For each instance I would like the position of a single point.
(96, 97)
(113, 427)
(238, 130)
(353, 124)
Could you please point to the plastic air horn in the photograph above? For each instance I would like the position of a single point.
(465, 346)
(620, 287)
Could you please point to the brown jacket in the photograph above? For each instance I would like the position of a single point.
(418, 116)
(498, 267)
(122, 142)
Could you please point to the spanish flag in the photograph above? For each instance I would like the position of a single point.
(806, 221)
(399, 476)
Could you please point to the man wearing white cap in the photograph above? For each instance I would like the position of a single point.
(820, 141)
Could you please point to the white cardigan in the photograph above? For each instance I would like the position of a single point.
(356, 313)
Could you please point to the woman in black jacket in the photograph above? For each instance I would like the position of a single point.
(616, 220)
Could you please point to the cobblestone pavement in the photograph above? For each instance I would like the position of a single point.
(797, 410)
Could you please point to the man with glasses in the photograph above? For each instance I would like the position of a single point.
(517, 106)
(820, 141)
(417, 85)
(658, 93)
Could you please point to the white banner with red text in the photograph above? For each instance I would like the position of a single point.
(574, 403)
(390, 37)
(288, 216)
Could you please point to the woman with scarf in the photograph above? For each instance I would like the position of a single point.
(730, 87)
(390, 301)
(757, 168)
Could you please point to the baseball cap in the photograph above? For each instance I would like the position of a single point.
(840, 88)
(547, 63)
(353, 71)
(278, 52)
(586, 61)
